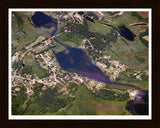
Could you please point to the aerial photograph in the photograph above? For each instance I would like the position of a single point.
(79, 62)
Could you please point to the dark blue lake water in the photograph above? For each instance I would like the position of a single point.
(75, 60)
(126, 33)
(86, 17)
(139, 106)
(42, 20)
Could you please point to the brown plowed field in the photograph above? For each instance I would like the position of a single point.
(143, 14)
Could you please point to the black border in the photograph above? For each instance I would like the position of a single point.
(6, 4)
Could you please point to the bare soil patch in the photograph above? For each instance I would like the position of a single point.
(143, 14)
